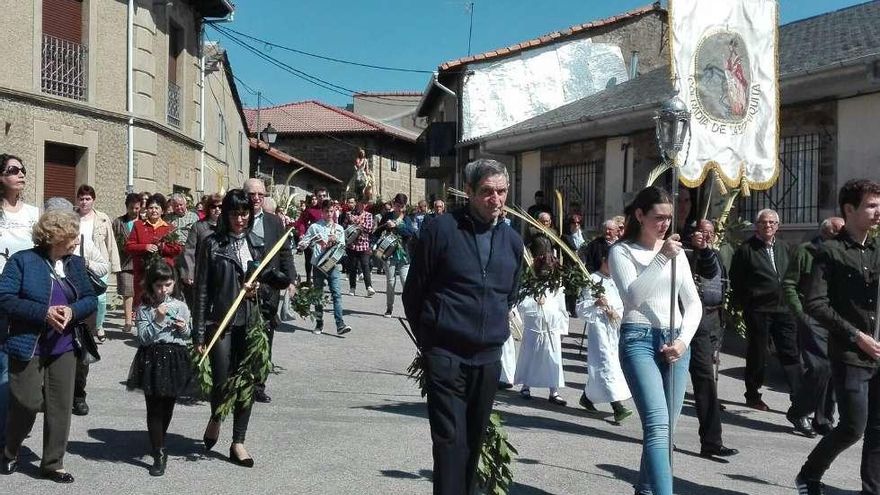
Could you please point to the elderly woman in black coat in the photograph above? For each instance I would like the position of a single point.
(45, 291)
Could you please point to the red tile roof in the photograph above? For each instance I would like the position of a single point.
(314, 117)
(284, 157)
(547, 38)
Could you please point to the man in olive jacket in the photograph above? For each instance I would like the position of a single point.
(756, 273)
(815, 396)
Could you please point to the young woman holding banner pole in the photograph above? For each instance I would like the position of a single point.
(654, 356)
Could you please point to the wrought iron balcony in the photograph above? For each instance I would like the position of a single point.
(173, 104)
(64, 68)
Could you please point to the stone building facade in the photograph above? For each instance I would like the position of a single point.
(329, 138)
(64, 95)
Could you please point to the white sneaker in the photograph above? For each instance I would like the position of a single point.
(351, 293)
(370, 292)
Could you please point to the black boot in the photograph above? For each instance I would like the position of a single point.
(160, 459)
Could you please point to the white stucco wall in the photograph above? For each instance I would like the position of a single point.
(858, 150)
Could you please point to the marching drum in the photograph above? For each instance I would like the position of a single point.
(387, 245)
(351, 234)
(330, 258)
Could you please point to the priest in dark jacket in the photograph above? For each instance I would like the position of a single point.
(461, 286)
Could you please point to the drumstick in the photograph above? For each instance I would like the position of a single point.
(237, 302)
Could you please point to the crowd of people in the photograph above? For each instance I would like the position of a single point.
(179, 269)
(656, 313)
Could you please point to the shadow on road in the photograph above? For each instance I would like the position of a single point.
(423, 474)
(129, 446)
(739, 417)
(414, 409)
(682, 487)
(513, 398)
(428, 475)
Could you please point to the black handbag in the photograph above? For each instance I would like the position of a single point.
(98, 285)
(84, 344)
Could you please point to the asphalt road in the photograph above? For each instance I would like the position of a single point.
(346, 419)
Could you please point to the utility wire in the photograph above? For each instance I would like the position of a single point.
(304, 75)
(292, 117)
(325, 57)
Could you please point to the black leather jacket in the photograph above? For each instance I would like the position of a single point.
(219, 278)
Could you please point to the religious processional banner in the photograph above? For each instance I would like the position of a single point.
(724, 55)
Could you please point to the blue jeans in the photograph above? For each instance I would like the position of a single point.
(4, 393)
(394, 271)
(333, 280)
(648, 377)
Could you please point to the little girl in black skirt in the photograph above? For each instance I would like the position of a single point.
(162, 366)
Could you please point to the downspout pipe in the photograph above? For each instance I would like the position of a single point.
(202, 108)
(228, 18)
(436, 83)
(129, 100)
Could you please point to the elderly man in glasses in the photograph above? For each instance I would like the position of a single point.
(265, 231)
(756, 275)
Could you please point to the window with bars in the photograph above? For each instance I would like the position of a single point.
(578, 182)
(795, 196)
(175, 47)
(394, 165)
(63, 53)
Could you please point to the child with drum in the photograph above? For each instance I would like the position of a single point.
(327, 239)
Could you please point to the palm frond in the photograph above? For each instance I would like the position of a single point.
(525, 217)
(656, 173)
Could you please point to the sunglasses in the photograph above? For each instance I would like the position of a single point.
(15, 170)
(213, 207)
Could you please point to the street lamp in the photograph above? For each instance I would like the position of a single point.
(268, 136)
(672, 122)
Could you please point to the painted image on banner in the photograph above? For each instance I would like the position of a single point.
(720, 93)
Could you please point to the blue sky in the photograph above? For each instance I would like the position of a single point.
(415, 34)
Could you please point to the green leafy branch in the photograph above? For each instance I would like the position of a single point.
(252, 369)
(204, 379)
(307, 296)
(172, 237)
(538, 283)
(494, 473)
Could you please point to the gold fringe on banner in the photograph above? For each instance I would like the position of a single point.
(719, 183)
(744, 187)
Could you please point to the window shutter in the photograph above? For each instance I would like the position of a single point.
(63, 19)
(60, 172)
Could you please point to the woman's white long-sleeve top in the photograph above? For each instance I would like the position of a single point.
(644, 279)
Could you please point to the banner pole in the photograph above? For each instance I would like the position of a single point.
(673, 301)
